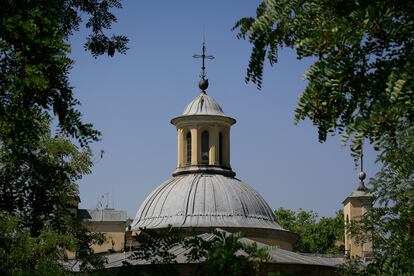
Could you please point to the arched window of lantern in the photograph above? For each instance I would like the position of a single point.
(220, 149)
(205, 147)
(188, 148)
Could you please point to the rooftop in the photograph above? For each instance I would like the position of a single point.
(277, 255)
(203, 104)
(101, 215)
(205, 200)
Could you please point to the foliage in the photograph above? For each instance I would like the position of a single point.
(38, 169)
(37, 183)
(34, 60)
(227, 254)
(37, 172)
(154, 247)
(219, 253)
(36, 220)
(84, 240)
(21, 254)
(317, 236)
(390, 225)
(361, 84)
(354, 266)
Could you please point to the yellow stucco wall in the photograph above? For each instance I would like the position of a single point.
(114, 241)
(354, 209)
(114, 232)
(196, 128)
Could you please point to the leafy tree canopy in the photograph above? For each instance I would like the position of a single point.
(36, 191)
(34, 59)
(38, 169)
(35, 169)
(316, 236)
(37, 183)
(361, 84)
(390, 224)
(21, 254)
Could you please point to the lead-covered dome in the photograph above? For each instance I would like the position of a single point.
(205, 200)
(203, 104)
(203, 193)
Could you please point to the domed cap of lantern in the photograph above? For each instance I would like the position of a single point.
(203, 105)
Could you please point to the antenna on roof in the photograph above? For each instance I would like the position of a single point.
(107, 200)
(104, 199)
(99, 205)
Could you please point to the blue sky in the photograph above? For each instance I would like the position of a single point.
(132, 99)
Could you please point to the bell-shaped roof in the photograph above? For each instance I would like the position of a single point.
(203, 105)
(205, 200)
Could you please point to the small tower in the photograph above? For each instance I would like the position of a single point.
(355, 206)
(203, 132)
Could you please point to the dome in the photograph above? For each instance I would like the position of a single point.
(203, 193)
(203, 105)
(205, 200)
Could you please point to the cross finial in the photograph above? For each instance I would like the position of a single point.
(203, 56)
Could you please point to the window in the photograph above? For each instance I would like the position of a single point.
(220, 145)
(205, 144)
(188, 145)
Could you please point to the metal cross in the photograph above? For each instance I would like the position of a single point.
(203, 56)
